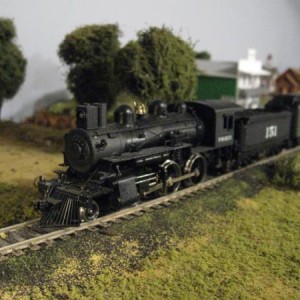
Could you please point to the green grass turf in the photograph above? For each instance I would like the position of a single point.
(239, 241)
(26, 152)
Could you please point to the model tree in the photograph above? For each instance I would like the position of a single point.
(203, 55)
(90, 53)
(158, 65)
(12, 62)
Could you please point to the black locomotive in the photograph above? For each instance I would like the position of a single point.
(140, 156)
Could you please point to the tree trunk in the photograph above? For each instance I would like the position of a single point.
(0, 109)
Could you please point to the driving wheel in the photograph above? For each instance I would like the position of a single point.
(170, 170)
(197, 165)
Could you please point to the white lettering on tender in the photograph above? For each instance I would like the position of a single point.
(226, 138)
(271, 131)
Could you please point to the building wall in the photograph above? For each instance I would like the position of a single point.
(249, 82)
(216, 88)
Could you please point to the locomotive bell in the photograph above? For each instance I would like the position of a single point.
(139, 109)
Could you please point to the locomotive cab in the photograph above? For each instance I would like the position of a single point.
(219, 121)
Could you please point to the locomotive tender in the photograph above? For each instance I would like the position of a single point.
(140, 156)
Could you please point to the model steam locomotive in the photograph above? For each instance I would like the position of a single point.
(143, 155)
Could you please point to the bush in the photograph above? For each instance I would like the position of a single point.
(287, 172)
(63, 108)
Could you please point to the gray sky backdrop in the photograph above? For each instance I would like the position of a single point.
(226, 28)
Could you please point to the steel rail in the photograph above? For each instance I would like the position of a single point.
(18, 226)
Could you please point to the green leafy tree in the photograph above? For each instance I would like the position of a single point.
(12, 62)
(203, 55)
(90, 53)
(158, 65)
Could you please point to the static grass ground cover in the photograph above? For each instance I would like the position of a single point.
(239, 241)
(25, 153)
(16, 204)
(20, 165)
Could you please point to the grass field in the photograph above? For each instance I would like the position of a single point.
(26, 152)
(239, 241)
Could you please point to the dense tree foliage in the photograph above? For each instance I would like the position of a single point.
(90, 53)
(12, 62)
(158, 65)
(203, 55)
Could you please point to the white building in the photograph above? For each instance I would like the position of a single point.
(253, 80)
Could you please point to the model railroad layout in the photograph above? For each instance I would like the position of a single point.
(29, 235)
(146, 161)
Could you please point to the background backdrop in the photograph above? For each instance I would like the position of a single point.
(225, 28)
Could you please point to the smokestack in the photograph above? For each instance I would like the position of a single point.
(102, 115)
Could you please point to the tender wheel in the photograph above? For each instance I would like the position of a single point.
(89, 214)
(170, 170)
(196, 164)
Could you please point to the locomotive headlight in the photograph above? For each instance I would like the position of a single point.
(76, 150)
(79, 150)
(81, 114)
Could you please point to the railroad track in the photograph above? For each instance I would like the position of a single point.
(14, 239)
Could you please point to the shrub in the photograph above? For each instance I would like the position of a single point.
(287, 172)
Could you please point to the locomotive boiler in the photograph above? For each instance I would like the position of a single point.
(140, 156)
(94, 139)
